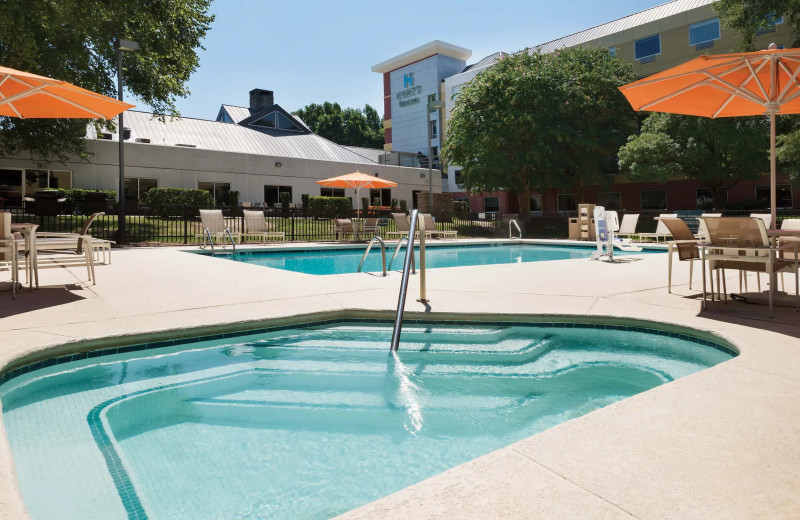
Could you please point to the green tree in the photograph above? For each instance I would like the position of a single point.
(538, 120)
(747, 17)
(73, 40)
(717, 152)
(349, 126)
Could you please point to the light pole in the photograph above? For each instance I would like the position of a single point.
(122, 46)
(432, 105)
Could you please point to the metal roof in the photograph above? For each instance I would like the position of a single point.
(373, 154)
(227, 137)
(236, 113)
(485, 62)
(653, 14)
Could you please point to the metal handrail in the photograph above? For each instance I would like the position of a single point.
(401, 301)
(397, 250)
(366, 252)
(510, 237)
(233, 245)
(208, 232)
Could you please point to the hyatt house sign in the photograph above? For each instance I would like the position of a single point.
(406, 96)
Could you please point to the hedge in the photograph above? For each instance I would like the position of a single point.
(330, 207)
(168, 202)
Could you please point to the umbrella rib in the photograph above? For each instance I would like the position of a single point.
(15, 110)
(789, 84)
(20, 95)
(3, 81)
(721, 108)
(739, 91)
(758, 80)
(76, 105)
(642, 83)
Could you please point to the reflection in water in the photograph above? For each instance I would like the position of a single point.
(407, 393)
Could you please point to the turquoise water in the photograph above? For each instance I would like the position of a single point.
(341, 261)
(309, 423)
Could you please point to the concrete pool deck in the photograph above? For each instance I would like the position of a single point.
(721, 443)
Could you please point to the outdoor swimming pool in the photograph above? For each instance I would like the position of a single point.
(342, 261)
(309, 422)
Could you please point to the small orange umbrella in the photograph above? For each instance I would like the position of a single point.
(726, 85)
(27, 95)
(357, 180)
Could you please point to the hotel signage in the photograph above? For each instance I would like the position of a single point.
(406, 96)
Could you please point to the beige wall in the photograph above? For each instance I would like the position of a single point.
(177, 167)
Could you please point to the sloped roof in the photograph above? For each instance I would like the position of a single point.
(226, 137)
(653, 14)
(373, 154)
(236, 113)
(485, 62)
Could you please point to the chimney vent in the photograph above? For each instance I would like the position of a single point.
(260, 99)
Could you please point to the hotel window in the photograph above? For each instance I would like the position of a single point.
(272, 194)
(783, 195)
(611, 200)
(135, 188)
(11, 185)
(383, 197)
(331, 192)
(536, 203)
(219, 191)
(647, 47)
(656, 199)
(457, 175)
(433, 130)
(491, 204)
(613, 51)
(704, 32)
(772, 21)
(43, 179)
(432, 99)
(705, 199)
(565, 202)
(435, 156)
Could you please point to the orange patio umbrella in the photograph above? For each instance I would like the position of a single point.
(726, 85)
(27, 95)
(357, 180)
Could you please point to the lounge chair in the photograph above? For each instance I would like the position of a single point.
(661, 229)
(431, 231)
(99, 245)
(342, 228)
(61, 251)
(702, 232)
(371, 227)
(401, 226)
(766, 217)
(628, 226)
(789, 224)
(212, 221)
(686, 244)
(256, 226)
(742, 243)
(9, 251)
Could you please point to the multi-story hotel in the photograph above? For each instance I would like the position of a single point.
(652, 40)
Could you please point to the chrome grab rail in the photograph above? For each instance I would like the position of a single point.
(397, 250)
(401, 301)
(422, 285)
(366, 252)
(510, 237)
(207, 232)
(233, 245)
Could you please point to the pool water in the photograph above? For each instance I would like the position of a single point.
(309, 422)
(342, 261)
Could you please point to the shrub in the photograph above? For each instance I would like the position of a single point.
(168, 202)
(460, 207)
(403, 206)
(233, 198)
(75, 197)
(331, 207)
(304, 199)
(394, 205)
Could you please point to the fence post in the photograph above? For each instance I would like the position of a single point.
(292, 217)
(185, 230)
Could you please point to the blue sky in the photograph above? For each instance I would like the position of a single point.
(310, 51)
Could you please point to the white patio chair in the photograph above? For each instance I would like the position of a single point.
(627, 227)
(212, 223)
(661, 229)
(256, 226)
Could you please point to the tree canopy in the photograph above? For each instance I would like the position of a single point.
(349, 126)
(537, 120)
(717, 152)
(73, 40)
(747, 17)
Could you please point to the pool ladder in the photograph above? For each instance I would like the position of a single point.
(207, 233)
(510, 236)
(409, 260)
(366, 252)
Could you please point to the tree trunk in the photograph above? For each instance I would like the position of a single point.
(524, 201)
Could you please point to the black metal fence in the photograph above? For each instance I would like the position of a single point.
(145, 228)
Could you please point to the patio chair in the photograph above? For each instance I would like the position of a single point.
(212, 223)
(63, 251)
(702, 232)
(256, 226)
(766, 217)
(401, 226)
(742, 243)
(342, 228)
(686, 244)
(661, 229)
(371, 227)
(627, 227)
(99, 245)
(9, 251)
(431, 231)
(789, 224)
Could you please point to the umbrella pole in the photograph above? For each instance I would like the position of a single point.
(772, 176)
